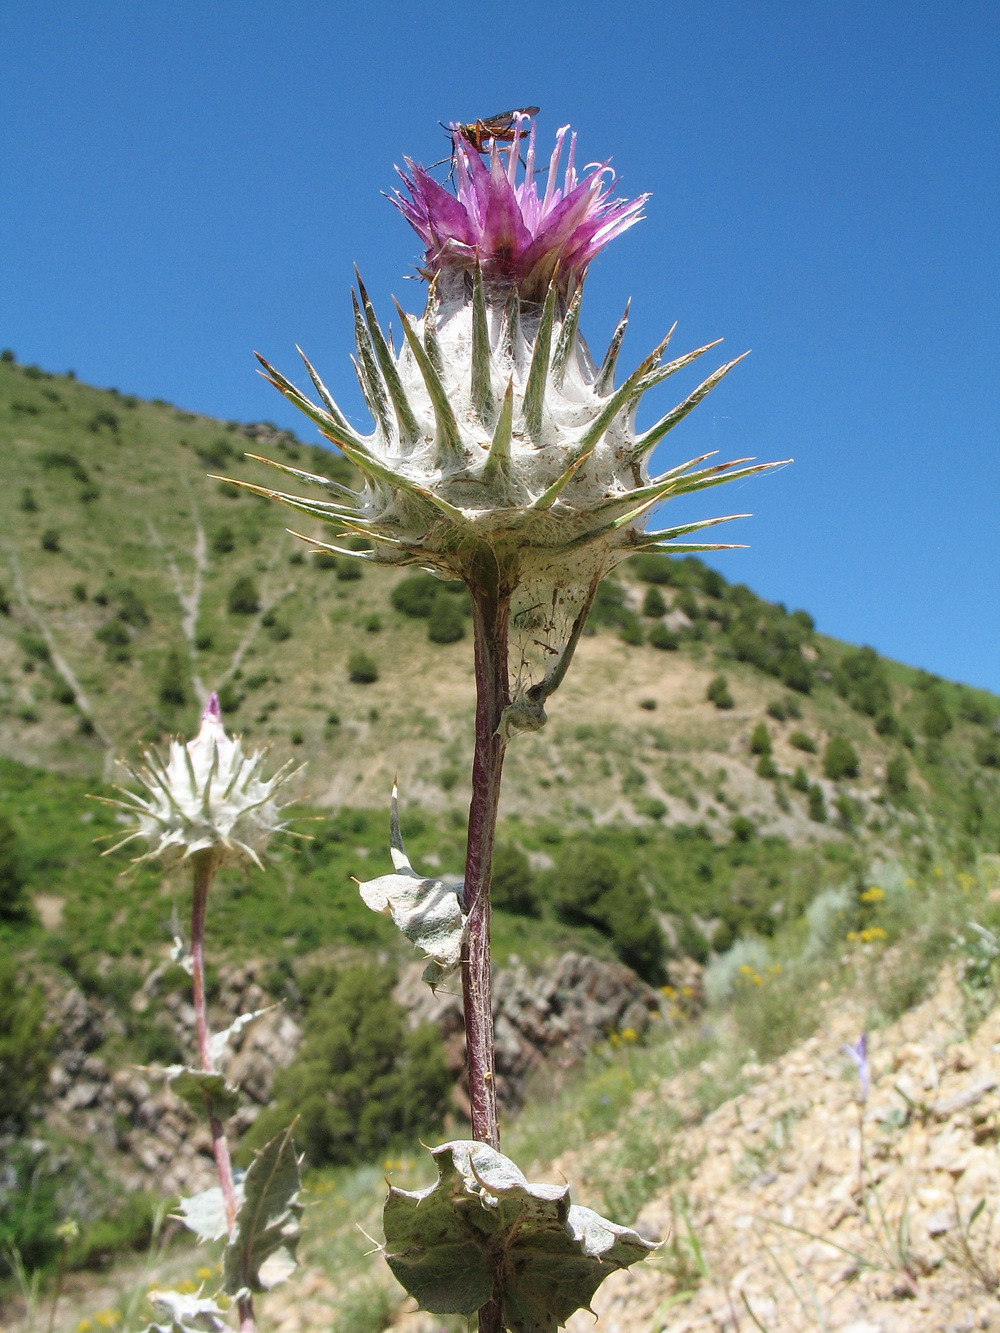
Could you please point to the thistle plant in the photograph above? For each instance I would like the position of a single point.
(503, 455)
(207, 804)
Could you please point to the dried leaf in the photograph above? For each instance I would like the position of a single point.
(482, 1217)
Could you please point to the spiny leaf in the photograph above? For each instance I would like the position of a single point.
(538, 372)
(566, 342)
(370, 377)
(409, 431)
(498, 460)
(326, 397)
(606, 375)
(207, 1094)
(313, 478)
(267, 1227)
(482, 386)
(427, 911)
(451, 449)
(205, 1213)
(188, 1313)
(219, 1042)
(655, 434)
(483, 1221)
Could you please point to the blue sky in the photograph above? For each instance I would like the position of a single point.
(182, 183)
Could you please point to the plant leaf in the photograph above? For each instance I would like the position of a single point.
(187, 1313)
(262, 1250)
(427, 911)
(482, 1218)
(208, 1094)
(205, 1213)
(218, 1044)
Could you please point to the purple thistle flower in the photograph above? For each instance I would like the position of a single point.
(518, 237)
(859, 1054)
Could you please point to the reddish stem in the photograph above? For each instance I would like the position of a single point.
(205, 866)
(490, 613)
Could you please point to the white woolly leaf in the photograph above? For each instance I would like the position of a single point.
(267, 1228)
(427, 911)
(187, 1313)
(205, 1213)
(482, 1217)
(221, 1040)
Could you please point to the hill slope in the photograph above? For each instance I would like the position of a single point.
(134, 584)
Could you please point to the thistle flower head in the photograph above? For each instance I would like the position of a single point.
(502, 454)
(517, 236)
(206, 795)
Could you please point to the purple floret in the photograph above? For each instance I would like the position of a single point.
(518, 236)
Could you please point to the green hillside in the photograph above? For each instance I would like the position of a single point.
(711, 765)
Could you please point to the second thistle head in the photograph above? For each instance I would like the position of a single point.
(206, 795)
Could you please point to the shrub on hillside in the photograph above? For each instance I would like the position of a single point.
(173, 679)
(987, 751)
(415, 595)
(590, 886)
(800, 779)
(664, 639)
(13, 895)
(49, 540)
(896, 783)
(653, 604)
(718, 693)
(514, 886)
(802, 741)
(244, 598)
(362, 1081)
(860, 678)
(937, 721)
(817, 805)
(362, 669)
(840, 759)
(25, 1047)
(446, 623)
(760, 739)
(652, 568)
(224, 540)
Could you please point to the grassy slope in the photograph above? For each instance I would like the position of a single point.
(147, 545)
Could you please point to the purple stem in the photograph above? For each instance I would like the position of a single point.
(205, 866)
(490, 614)
(490, 618)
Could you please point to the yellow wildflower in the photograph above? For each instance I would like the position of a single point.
(873, 895)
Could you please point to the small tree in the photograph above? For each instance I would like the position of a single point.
(514, 888)
(244, 599)
(173, 679)
(718, 693)
(653, 604)
(817, 805)
(760, 739)
(446, 623)
(664, 639)
(362, 669)
(840, 759)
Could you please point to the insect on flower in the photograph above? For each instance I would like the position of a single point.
(499, 127)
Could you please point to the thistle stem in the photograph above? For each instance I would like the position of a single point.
(205, 866)
(490, 618)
